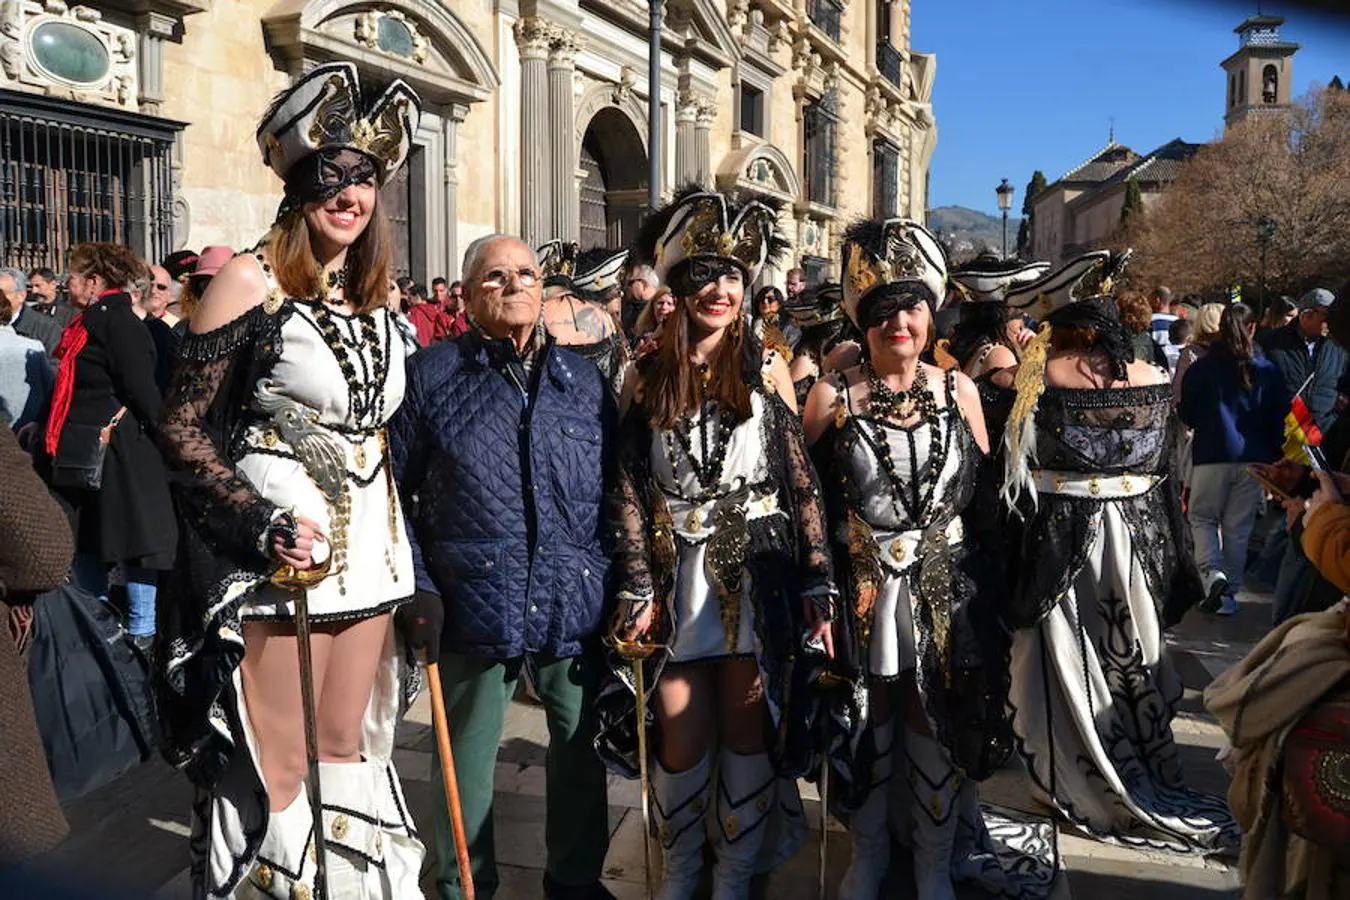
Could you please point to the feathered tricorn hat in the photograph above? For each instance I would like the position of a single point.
(1090, 275)
(323, 109)
(988, 279)
(699, 224)
(557, 262)
(880, 253)
(597, 272)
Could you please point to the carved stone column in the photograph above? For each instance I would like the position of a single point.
(562, 128)
(153, 28)
(536, 199)
(454, 117)
(686, 149)
(707, 114)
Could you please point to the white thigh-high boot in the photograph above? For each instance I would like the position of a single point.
(284, 866)
(936, 784)
(746, 788)
(372, 851)
(681, 801)
(868, 826)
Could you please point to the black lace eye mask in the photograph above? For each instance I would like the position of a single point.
(321, 176)
(698, 273)
(880, 305)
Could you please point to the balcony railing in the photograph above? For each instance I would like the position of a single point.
(825, 15)
(889, 63)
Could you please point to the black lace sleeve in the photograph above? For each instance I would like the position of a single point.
(627, 515)
(209, 390)
(815, 566)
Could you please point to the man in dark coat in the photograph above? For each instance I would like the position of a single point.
(44, 296)
(1301, 350)
(29, 324)
(501, 449)
(1309, 361)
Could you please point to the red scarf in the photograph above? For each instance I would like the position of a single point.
(72, 342)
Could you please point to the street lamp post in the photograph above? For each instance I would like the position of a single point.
(1266, 229)
(654, 109)
(1005, 193)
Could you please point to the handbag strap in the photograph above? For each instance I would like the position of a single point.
(105, 435)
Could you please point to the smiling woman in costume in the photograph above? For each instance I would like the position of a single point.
(897, 443)
(1104, 547)
(277, 416)
(720, 549)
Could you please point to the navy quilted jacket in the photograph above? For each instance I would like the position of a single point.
(502, 488)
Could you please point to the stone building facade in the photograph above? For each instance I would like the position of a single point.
(133, 120)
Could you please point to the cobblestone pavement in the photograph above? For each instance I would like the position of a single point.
(132, 835)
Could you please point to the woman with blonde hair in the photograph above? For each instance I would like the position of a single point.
(276, 421)
(648, 327)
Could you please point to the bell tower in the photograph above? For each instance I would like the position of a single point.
(1261, 72)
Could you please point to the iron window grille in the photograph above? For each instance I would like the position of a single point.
(885, 180)
(71, 173)
(820, 123)
(888, 63)
(825, 15)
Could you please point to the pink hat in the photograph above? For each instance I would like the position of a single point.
(212, 259)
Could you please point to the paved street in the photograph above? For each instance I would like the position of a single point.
(133, 834)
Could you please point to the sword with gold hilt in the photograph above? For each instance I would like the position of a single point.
(636, 653)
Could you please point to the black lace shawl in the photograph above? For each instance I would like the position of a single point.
(787, 557)
(222, 519)
(1110, 431)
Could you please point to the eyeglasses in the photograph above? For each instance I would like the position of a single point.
(498, 278)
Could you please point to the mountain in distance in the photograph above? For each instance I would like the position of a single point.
(968, 232)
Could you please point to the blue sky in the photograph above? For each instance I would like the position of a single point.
(1033, 84)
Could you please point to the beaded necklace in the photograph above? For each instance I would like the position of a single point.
(884, 404)
(364, 395)
(679, 441)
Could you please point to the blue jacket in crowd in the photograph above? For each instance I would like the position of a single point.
(502, 473)
(1232, 425)
(1327, 362)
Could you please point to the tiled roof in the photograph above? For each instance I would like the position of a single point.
(1159, 167)
(1104, 163)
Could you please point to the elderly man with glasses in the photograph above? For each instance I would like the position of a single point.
(501, 451)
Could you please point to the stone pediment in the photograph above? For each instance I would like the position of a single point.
(420, 41)
(759, 168)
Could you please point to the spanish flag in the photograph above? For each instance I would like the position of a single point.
(1300, 429)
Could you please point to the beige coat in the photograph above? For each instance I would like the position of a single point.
(1257, 702)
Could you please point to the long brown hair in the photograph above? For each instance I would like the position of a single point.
(671, 382)
(1235, 337)
(369, 260)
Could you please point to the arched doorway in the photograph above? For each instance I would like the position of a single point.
(614, 188)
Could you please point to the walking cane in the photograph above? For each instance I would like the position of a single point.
(311, 742)
(442, 725)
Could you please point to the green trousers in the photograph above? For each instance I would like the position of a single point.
(576, 828)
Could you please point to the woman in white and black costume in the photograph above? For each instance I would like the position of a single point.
(720, 555)
(291, 370)
(897, 443)
(1103, 548)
